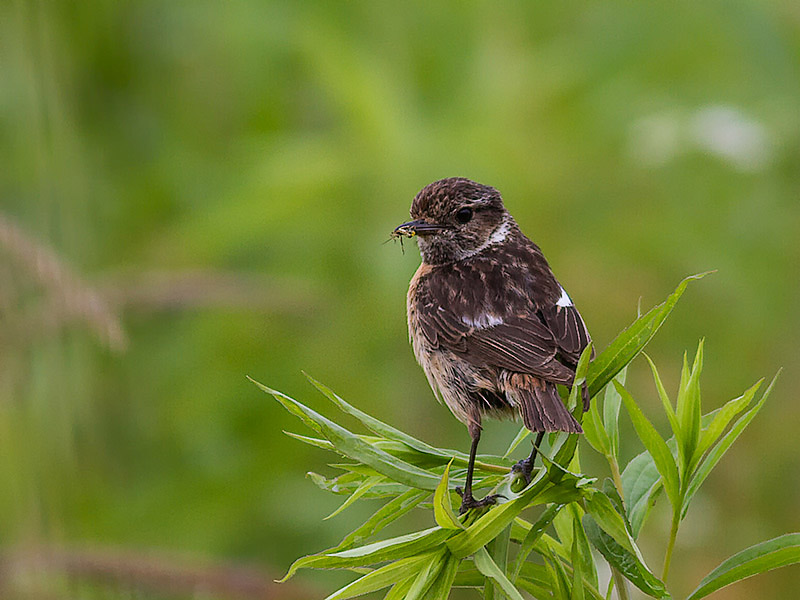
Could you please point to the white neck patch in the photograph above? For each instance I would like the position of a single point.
(498, 235)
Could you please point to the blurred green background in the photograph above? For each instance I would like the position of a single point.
(192, 192)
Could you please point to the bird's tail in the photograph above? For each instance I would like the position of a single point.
(540, 405)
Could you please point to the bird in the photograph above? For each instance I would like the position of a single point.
(491, 326)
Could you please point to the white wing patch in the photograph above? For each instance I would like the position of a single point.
(564, 300)
(483, 321)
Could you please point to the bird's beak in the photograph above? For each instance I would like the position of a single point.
(418, 227)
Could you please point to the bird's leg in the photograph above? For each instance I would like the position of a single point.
(525, 466)
(467, 499)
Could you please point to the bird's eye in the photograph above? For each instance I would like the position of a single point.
(464, 215)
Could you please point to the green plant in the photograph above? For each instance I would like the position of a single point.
(505, 552)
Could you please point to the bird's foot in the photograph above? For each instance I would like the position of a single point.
(524, 468)
(469, 502)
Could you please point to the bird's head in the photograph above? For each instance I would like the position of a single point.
(456, 218)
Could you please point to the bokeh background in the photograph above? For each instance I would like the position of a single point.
(192, 192)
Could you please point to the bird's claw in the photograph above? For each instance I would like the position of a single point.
(523, 468)
(469, 502)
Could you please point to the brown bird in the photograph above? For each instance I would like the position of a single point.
(490, 325)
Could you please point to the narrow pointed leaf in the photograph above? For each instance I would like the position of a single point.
(426, 577)
(665, 401)
(440, 590)
(559, 576)
(594, 431)
(489, 568)
(605, 515)
(655, 445)
(688, 412)
(362, 489)
(578, 561)
(724, 416)
(354, 447)
(399, 589)
(611, 405)
(324, 444)
(533, 535)
(521, 435)
(388, 513)
(392, 549)
(718, 451)
(630, 342)
(374, 424)
(575, 393)
(442, 508)
(778, 552)
(579, 540)
(383, 577)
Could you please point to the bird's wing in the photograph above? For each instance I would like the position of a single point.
(521, 343)
(568, 329)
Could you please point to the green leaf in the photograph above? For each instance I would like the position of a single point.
(521, 435)
(362, 489)
(594, 432)
(354, 447)
(489, 568)
(442, 508)
(688, 413)
(611, 405)
(630, 342)
(540, 588)
(383, 577)
(627, 563)
(532, 536)
(640, 483)
(427, 576)
(578, 561)
(324, 444)
(722, 446)
(665, 402)
(348, 483)
(399, 443)
(490, 524)
(575, 398)
(468, 576)
(724, 416)
(400, 589)
(388, 513)
(374, 424)
(656, 446)
(558, 576)
(391, 549)
(778, 552)
(605, 515)
(444, 583)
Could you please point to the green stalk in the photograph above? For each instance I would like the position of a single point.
(616, 475)
(619, 581)
(620, 584)
(673, 534)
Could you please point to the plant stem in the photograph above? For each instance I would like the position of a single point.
(620, 584)
(619, 581)
(615, 474)
(673, 533)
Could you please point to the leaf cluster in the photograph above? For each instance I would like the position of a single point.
(546, 538)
